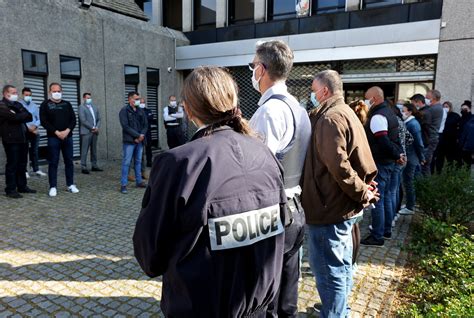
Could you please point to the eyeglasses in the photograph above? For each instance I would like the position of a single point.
(253, 65)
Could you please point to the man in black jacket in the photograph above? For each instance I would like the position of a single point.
(13, 117)
(134, 128)
(382, 133)
(58, 118)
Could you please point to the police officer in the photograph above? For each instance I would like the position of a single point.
(212, 218)
(285, 128)
(173, 116)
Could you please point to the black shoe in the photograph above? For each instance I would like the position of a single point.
(85, 171)
(27, 190)
(123, 189)
(148, 165)
(372, 241)
(141, 185)
(317, 307)
(96, 169)
(387, 236)
(14, 195)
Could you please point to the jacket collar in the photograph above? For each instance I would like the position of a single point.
(377, 107)
(327, 104)
(208, 131)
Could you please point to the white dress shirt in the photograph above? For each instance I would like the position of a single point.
(273, 120)
(93, 115)
(171, 117)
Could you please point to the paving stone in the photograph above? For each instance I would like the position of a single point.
(72, 255)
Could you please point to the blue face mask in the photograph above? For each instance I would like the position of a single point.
(28, 99)
(314, 100)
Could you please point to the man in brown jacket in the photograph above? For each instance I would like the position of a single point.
(337, 178)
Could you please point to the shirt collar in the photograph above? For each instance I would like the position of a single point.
(277, 88)
(409, 118)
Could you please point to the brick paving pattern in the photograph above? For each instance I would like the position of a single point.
(72, 256)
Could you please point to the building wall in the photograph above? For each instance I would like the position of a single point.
(455, 70)
(104, 41)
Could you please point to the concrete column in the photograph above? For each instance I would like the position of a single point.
(260, 10)
(455, 69)
(187, 15)
(221, 13)
(352, 5)
(157, 12)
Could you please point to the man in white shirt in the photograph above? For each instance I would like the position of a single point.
(89, 118)
(173, 116)
(284, 127)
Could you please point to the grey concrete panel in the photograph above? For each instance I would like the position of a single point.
(459, 18)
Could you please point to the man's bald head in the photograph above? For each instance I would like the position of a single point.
(374, 95)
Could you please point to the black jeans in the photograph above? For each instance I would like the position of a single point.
(17, 159)
(55, 147)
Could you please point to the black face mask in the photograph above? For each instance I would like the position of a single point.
(465, 112)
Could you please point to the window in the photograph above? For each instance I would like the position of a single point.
(132, 75)
(327, 6)
(153, 81)
(147, 7)
(242, 13)
(173, 14)
(281, 9)
(70, 66)
(379, 3)
(204, 14)
(34, 62)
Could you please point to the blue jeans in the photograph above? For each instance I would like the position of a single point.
(330, 258)
(132, 151)
(382, 214)
(395, 182)
(408, 184)
(55, 147)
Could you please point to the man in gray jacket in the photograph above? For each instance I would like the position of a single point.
(89, 118)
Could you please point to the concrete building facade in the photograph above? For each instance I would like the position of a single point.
(105, 37)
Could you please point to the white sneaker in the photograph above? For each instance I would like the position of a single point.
(40, 173)
(370, 227)
(73, 189)
(406, 211)
(53, 192)
(27, 175)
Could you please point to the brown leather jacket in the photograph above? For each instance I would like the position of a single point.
(338, 166)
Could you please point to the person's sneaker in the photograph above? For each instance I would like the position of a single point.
(14, 195)
(317, 307)
(85, 171)
(141, 185)
(73, 189)
(53, 192)
(123, 189)
(27, 175)
(40, 173)
(406, 211)
(27, 190)
(97, 169)
(372, 241)
(387, 236)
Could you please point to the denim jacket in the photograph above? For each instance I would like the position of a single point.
(415, 151)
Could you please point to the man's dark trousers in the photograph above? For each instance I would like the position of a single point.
(174, 136)
(15, 169)
(285, 303)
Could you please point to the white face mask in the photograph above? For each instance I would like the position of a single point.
(28, 99)
(400, 107)
(136, 102)
(173, 103)
(142, 105)
(89, 101)
(427, 102)
(255, 82)
(405, 116)
(368, 103)
(445, 110)
(56, 95)
(13, 98)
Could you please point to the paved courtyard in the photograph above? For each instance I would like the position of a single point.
(73, 256)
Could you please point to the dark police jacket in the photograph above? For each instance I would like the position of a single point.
(13, 117)
(211, 224)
